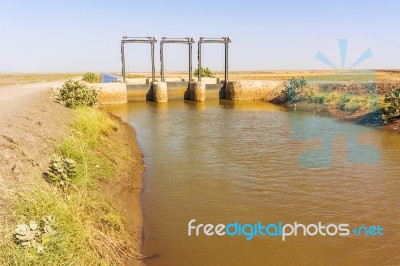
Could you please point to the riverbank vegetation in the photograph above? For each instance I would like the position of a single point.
(86, 228)
(348, 100)
(92, 77)
(75, 94)
(205, 72)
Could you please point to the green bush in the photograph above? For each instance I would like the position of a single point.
(90, 77)
(391, 111)
(343, 101)
(205, 72)
(320, 98)
(62, 170)
(76, 94)
(348, 102)
(293, 88)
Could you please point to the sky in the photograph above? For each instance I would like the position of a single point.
(81, 36)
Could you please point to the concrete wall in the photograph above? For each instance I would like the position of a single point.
(215, 91)
(139, 92)
(254, 89)
(114, 93)
(110, 93)
(143, 92)
(176, 91)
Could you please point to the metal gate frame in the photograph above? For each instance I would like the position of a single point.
(150, 40)
(225, 41)
(188, 40)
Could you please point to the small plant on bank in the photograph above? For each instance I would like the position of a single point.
(343, 101)
(75, 94)
(293, 88)
(90, 77)
(391, 111)
(35, 235)
(61, 171)
(320, 98)
(205, 72)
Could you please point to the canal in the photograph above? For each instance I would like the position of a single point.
(224, 162)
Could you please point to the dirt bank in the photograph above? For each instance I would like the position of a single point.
(124, 189)
(33, 124)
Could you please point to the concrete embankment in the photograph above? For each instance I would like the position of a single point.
(171, 90)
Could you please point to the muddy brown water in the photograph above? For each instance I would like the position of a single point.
(222, 162)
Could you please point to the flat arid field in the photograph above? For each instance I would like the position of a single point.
(389, 75)
(24, 78)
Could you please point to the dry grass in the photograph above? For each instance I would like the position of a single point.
(17, 78)
(381, 75)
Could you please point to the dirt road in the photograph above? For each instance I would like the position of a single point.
(31, 122)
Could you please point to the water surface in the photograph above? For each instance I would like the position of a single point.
(221, 162)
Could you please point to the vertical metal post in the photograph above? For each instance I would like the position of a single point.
(162, 62)
(190, 62)
(123, 60)
(153, 69)
(199, 60)
(226, 64)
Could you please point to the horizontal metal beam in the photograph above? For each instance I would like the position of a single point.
(187, 40)
(147, 37)
(137, 41)
(215, 40)
(126, 39)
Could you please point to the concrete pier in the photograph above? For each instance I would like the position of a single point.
(160, 92)
(197, 91)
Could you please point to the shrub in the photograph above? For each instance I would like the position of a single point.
(348, 102)
(205, 72)
(343, 101)
(392, 109)
(62, 170)
(90, 77)
(76, 94)
(320, 98)
(293, 88)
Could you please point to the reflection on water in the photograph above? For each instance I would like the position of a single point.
(221, 162)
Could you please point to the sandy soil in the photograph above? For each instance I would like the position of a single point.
(31, 123)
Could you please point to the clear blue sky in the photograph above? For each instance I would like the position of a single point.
(60, 36)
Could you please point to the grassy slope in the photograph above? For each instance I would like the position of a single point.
(89, 229)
